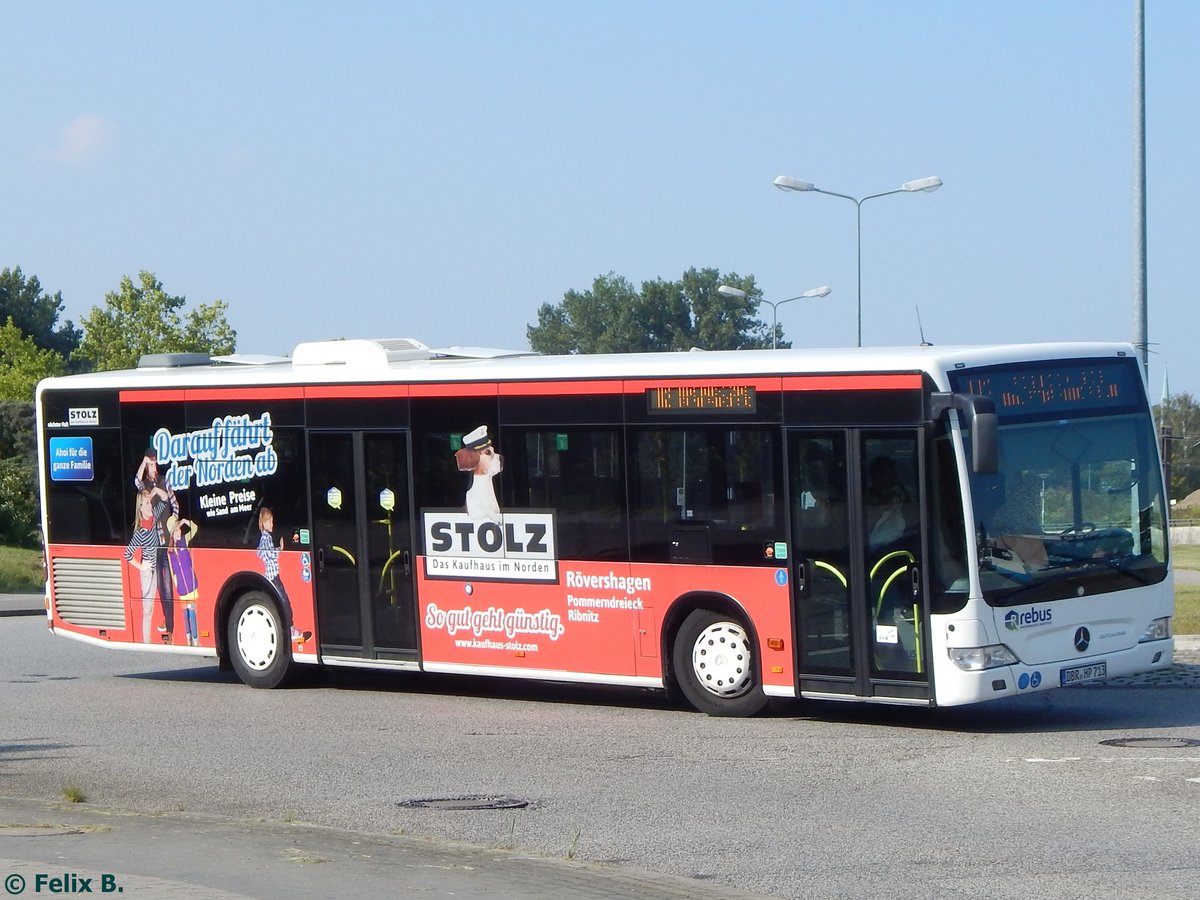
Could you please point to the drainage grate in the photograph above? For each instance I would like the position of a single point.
(1157, 743)
(465, 803)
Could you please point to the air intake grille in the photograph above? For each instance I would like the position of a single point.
(87, 592)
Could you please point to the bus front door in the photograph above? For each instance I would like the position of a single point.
(856, 550)
(362, 535)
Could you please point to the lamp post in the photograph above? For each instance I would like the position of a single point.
(928, 185)
(730, 291)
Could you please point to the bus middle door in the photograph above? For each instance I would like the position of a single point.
(362, 524)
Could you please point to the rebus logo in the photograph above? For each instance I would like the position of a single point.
(1015, 621)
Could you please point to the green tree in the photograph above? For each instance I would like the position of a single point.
(726, 323)
(143, 318)
(1181, 415)
(23, 363)
(36, 313)
(18, 475)
(615, 317)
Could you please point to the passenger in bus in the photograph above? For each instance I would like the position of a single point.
(269, 554)
(1017, 525)
(886, 500)
(819, 505)
(183, 573)
(142, 554)
(150, 477)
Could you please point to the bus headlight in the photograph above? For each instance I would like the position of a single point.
(1158, 630)
(975, 659)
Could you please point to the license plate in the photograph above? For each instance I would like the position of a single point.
(1083, 673)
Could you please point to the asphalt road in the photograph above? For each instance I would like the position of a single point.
(1017, 798)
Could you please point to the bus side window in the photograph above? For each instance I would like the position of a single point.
(705, 494)
(91, 511)
(577, 472)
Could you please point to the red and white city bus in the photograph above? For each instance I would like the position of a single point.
(927, 526)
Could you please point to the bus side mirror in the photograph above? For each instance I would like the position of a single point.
(980, 413)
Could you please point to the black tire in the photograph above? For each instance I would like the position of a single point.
(259, 647)
(716, 665)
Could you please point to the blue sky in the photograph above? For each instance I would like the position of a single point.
(440, 170)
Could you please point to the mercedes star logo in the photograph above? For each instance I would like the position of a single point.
(1083, 637)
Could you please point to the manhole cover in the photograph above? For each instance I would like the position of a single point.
(1157, 743)
(465, 803)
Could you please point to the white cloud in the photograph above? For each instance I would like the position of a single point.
(84, 141)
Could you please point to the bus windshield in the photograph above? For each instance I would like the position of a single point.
(1076, 506)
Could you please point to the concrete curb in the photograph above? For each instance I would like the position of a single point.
(22, 605)
(274, 859)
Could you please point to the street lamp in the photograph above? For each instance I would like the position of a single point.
(730, 291)
(928, 185)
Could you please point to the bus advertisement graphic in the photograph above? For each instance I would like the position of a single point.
(233, 448)
(71, 459)
(521, 547)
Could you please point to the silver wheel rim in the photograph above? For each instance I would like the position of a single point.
(721, 659)
(257, 637)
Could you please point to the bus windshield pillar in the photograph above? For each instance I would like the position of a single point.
(980, 413)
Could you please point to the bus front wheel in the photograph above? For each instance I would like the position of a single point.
(258, 643)
(715, 665)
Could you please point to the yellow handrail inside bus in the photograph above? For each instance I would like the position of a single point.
(917, 638)
(346, 553)
(383, 573)
(916, 620)
(829, 567)
(887, 584)
(888, 556)
(909, 560)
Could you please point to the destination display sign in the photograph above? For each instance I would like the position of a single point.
(707, 398)
(1054, 388)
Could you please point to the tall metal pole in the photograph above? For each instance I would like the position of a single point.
(859, 204)
(1141, 340)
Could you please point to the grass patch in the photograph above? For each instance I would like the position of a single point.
(1187, 609)
(570, 854)
(20, 570)
(1185, 556)
(1187, 596)
(73, 793)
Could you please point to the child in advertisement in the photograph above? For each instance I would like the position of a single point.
(183, 573)
(269, 554)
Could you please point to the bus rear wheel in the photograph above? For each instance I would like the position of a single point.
(715, 665)
(258, 642)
